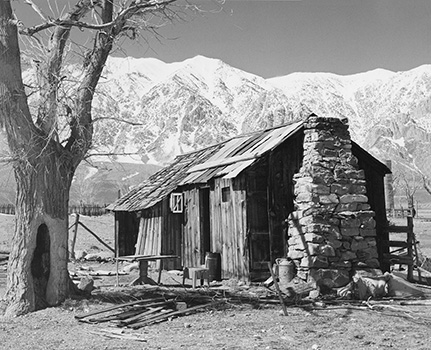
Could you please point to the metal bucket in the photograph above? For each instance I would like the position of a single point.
(285, 269)
(213, 264)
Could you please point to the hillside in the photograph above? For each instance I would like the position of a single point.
(96, 183)
(201, 101)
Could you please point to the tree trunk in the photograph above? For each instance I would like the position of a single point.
(38, 274)
(37, 270)
(44, 168)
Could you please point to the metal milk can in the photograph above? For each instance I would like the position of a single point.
(285, 269)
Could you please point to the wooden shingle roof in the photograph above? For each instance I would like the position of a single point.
(227, 159)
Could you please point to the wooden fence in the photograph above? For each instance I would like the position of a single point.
(83, 209)
(399, 213)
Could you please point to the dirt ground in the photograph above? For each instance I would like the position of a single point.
(234, 325)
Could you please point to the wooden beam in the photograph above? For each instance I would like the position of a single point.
(97, 237)
(274, 278)
(221, 162)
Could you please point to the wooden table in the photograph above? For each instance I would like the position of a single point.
(143, 266)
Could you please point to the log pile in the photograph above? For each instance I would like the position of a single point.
(143, 312)
(139, 313)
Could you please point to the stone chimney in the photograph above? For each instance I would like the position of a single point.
(332, 230)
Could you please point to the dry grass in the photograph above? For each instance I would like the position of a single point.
(102, 226)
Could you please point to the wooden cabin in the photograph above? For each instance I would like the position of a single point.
(232, 198)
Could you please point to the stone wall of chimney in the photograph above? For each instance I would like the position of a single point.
(332, 230)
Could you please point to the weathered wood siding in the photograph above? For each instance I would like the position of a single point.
(160, 233)
(375, 175)
(191, 252)
(229, 228)
(150, 232)
(171, 236)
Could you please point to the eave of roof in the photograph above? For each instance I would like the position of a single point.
(227, 159)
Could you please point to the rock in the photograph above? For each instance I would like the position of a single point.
(131, 267)
(353, 198)
(314, 294)
(100, 256)
(348, 255)
(86, 284)
(80, 254)
(314, 261)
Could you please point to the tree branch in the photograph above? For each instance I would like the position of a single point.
(117, 119)
(15, 115)
(111, 154)
(81, 123)
(37, 9)
(69, 23)
(427, 184)
(47, 113)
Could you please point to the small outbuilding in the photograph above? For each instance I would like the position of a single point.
(235, 199)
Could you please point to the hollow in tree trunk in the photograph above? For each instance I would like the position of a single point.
(38, 275)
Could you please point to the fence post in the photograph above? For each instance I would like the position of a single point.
(410, 242)
(75, 231)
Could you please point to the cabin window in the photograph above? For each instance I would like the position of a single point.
(225, 194)
(177, 202)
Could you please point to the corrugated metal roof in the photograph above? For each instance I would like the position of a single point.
(226, 159)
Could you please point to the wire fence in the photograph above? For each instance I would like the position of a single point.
(82, 209)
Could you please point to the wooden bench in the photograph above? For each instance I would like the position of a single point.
(195, 273)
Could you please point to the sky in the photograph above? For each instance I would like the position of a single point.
(277, 37)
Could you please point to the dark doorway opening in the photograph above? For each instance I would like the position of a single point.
(40, 266)
(205, 227)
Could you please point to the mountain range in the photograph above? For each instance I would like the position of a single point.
(150, 111)
(188, 105)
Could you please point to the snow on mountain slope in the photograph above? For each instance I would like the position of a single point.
(157, 110)
(188, 105)
(389, 112)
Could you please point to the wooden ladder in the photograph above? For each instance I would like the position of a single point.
(403, 252)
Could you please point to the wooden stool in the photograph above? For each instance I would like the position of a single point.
(194, 273)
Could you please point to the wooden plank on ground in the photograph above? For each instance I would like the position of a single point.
(119, 306)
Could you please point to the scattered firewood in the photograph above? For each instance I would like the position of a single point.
(168, 315)
(139, 317)
(135, 302)
(138, 313)
(106, 273)
(118, 335)
(416, 302)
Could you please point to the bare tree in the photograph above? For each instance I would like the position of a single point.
(45, 152)
(407, 182)
(426, 183)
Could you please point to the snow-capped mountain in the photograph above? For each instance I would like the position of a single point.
(188, 105)
(158, 110)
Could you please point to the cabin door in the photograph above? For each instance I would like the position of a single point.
(204, 221)
(257, 213)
